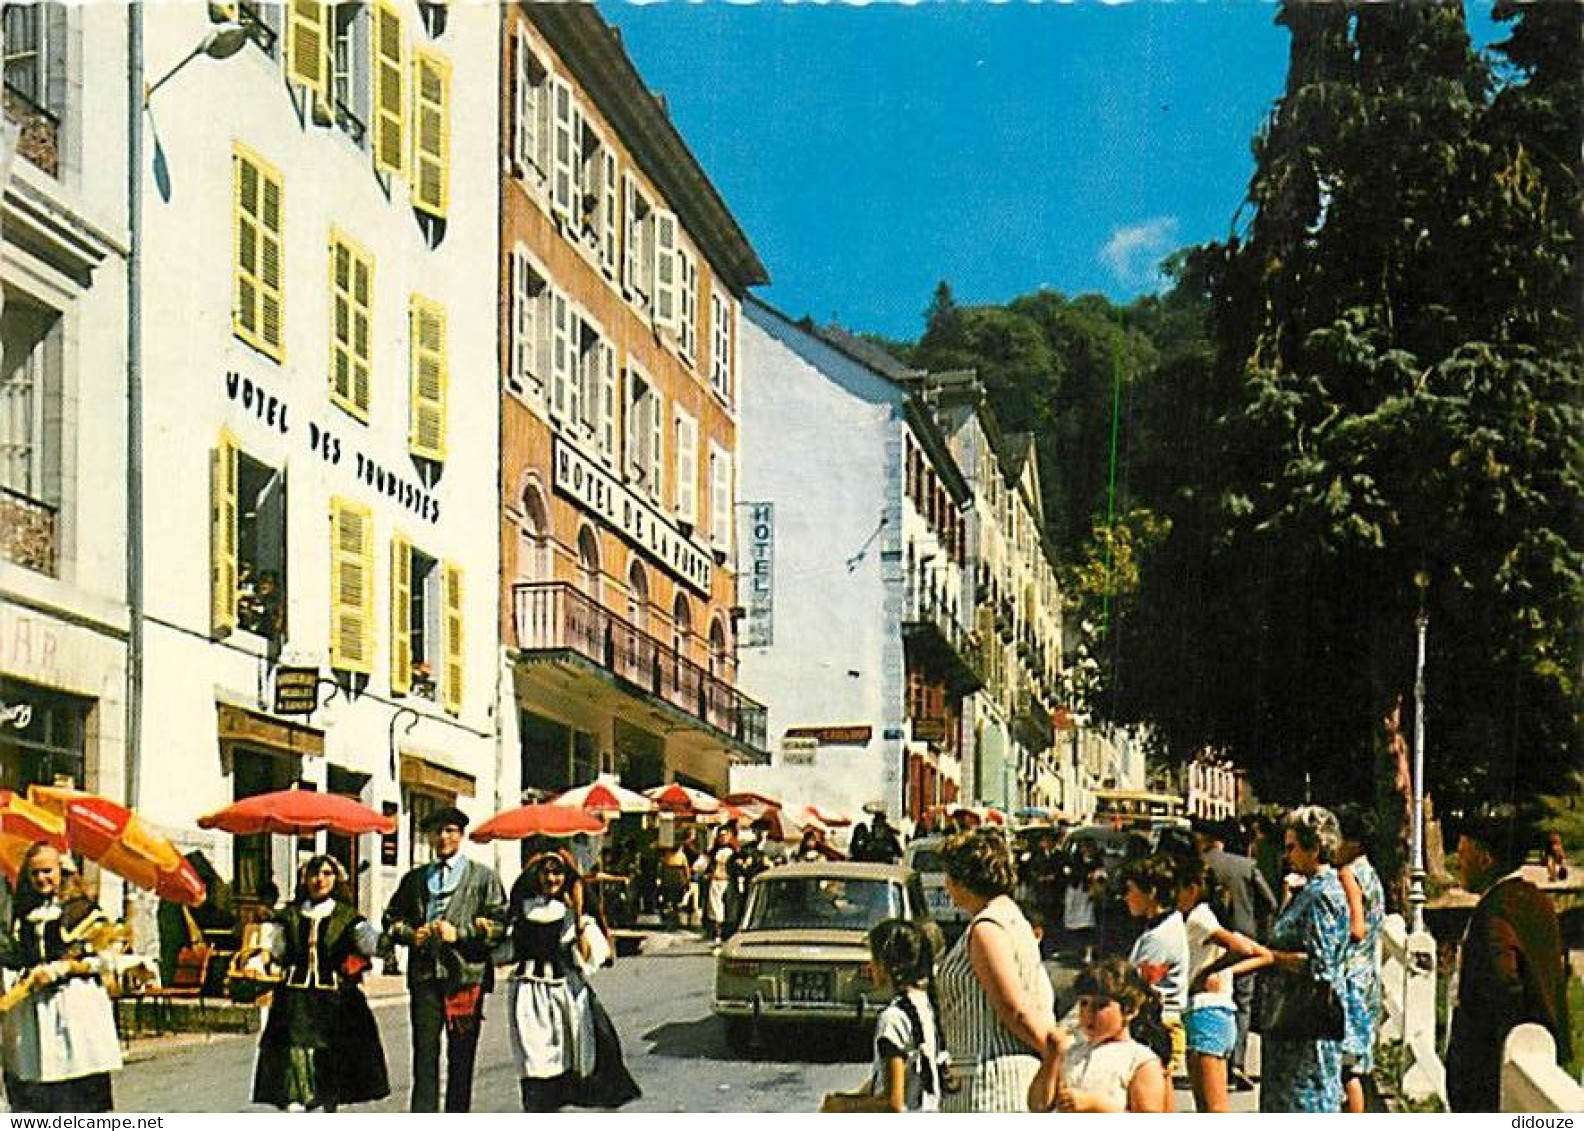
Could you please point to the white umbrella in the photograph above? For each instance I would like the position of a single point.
(605, 795)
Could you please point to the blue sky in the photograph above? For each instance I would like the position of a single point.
(869, 151)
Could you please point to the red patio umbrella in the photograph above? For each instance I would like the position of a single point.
(606, 794)
(120, 841)
(297, 812)
(678, 798)
(537, 820)
(22, 825)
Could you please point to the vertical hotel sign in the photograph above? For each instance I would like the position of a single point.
(756, 524)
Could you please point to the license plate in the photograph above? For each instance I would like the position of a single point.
(809, 985)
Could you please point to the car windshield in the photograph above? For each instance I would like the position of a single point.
(790, 904)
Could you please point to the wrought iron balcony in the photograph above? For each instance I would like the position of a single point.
(554, 616)
(935, 638)
(28, 532)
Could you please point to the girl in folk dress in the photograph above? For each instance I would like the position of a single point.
(566, 1048)
(1103, 1069)
(907, 1048)
(60, 1040)
(321, 1047)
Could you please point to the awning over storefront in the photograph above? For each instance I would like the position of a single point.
(424, 773)
(240, 725)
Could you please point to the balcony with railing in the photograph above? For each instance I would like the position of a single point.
(935, 638)
(555, 617)
(28, 532)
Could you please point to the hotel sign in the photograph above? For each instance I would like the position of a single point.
(756, 527)
(595, 489)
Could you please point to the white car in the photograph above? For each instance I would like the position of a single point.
(923, 857)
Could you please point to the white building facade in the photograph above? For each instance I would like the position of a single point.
(63, 264)
(320, 429)
(857, 641)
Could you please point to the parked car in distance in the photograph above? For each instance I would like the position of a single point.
(923, 856)
(802, 951)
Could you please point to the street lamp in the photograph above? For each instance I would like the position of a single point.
(221, 43)
(1416, 873)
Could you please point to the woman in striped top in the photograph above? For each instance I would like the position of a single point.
(997, 1005)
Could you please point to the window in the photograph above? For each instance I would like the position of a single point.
(638, 264)
(308, 35)
(721, 344)
(351, 311)
(390, 91)
(566, 132)
(686, 500)
(589, 563)
(637, 597)
(644, 433)
(681, 625)
(530, 323)
(30, 399)
(596, 194)
(247, 544)
(430, 379)
(594, 393)
(687, 302)
(258, 306)
(35, 54)
(431, 177)
(46, 741)
(351, 587)
(352, 69)
(531, 95)
(665, 271)
(415, 625)
(720, 486)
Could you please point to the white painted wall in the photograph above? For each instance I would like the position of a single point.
(328, 180)
(820, 437)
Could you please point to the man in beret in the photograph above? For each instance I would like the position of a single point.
(1512, 969)
(449, 913)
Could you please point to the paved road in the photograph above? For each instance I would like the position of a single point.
(660, 1003)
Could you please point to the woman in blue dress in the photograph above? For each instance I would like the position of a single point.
(1361, 985)
(1310, 935)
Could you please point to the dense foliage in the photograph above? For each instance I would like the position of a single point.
(1365, 402)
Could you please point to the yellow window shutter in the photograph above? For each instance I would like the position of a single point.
(223, 536)
(390, 94)
(351, 586)
(430, 379)
(256, 220)
(351, 285)
(452, 701)
(308, 46)
(401, 615)
(431, 179)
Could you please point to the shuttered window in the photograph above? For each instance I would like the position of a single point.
(721, 344)
(687, 303)
(530, 110)
(686, 463)
(451, 695)
(720, 483)
(610, 228)
(563, 150)
(223, 536)
(530, 319)
(561, 360)
(430, 379)
(607, 412)
(665, 270)
(351, 315)
(308, 46)
(431, 176)
(401, 615)
(351, 587)
(258, 297)
(390, 91)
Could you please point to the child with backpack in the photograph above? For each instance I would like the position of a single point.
(908, 1052)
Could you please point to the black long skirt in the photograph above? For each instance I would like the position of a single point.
(338, 1033)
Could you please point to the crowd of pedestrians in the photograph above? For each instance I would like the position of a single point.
(1185, 944)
